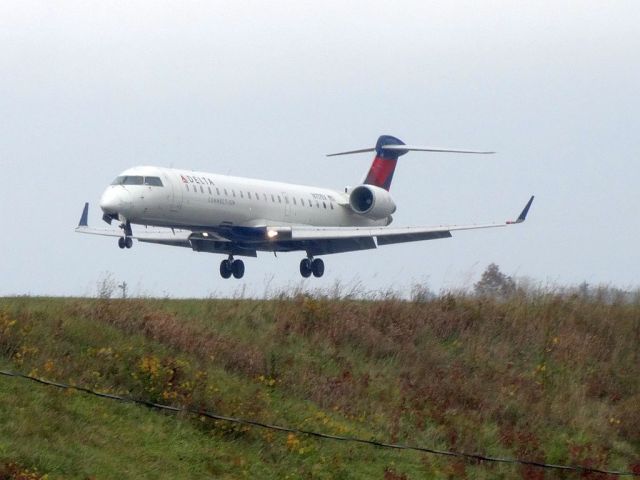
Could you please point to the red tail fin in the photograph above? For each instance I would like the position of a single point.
(384, 164)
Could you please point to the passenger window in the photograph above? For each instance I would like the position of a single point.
(249, 195)
(241, 194)
(201, 189)
(217, 190)
(310, 204)
(210, 193)
(324, 205)
(331, 205)
(279, 199)
(233, 192)
(294, 201)
(286, 200)
(273, 199)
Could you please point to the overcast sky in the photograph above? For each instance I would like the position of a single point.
(265, 89)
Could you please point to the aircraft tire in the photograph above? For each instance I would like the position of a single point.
(225, 268)
(317, 267)
(128, 242)
(121, 242)
(237, 268)
(305, 267)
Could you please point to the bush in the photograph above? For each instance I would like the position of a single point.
(495, 284)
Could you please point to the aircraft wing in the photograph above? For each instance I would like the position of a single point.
(198, 239)
(179, 238)
(165, 237)
(323, 240)
(246, 240)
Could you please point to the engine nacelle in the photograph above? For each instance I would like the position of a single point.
(371, 201)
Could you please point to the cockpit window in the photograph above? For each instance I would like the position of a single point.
(137, 180)
(128, 180)
(153, 181)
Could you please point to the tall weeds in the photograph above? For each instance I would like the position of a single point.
(546, 375)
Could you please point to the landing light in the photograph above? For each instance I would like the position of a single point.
(205, 234)
(272, 233)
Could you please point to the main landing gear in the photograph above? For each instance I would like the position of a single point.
(231, 267)
(125, 242)
(310, 265)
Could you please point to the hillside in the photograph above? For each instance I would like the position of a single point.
(543, 376)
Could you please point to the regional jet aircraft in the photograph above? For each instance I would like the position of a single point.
(238, 217)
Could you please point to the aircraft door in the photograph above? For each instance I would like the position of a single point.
(174, 196)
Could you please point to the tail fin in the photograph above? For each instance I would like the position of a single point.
(388, 149)
(384, 164)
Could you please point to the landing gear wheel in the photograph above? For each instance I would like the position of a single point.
(121, 242)
(305, 267)
(225, 268)
(128, 242)
(237, 268)
(317, 266)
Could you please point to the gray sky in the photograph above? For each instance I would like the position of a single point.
(265, 89)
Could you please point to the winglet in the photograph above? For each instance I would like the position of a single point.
(523, 214)
(84, 218)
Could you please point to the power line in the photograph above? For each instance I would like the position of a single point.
(311, 433)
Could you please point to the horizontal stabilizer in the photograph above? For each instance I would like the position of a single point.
(414, 148)
(387, 151)
(363, 150)
(402, 149)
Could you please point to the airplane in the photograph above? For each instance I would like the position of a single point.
(239, 217)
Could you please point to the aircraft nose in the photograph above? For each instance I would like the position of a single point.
(110, 202)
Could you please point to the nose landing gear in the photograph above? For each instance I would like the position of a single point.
(230, 267)
(310, 266)
(126, 241)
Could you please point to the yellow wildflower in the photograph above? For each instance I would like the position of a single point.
(48, 366)
(292, 441)
(150, 365)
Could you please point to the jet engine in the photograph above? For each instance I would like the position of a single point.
(371, 201)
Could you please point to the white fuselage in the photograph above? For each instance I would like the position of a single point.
(200, 200)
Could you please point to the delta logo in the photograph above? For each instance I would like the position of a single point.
(198, 180)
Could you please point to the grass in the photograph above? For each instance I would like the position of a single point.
(546, 376)
(72, 435)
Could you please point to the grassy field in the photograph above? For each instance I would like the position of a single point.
(546, 376)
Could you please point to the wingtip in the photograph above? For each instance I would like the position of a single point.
(84, 218)
(523, 215)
